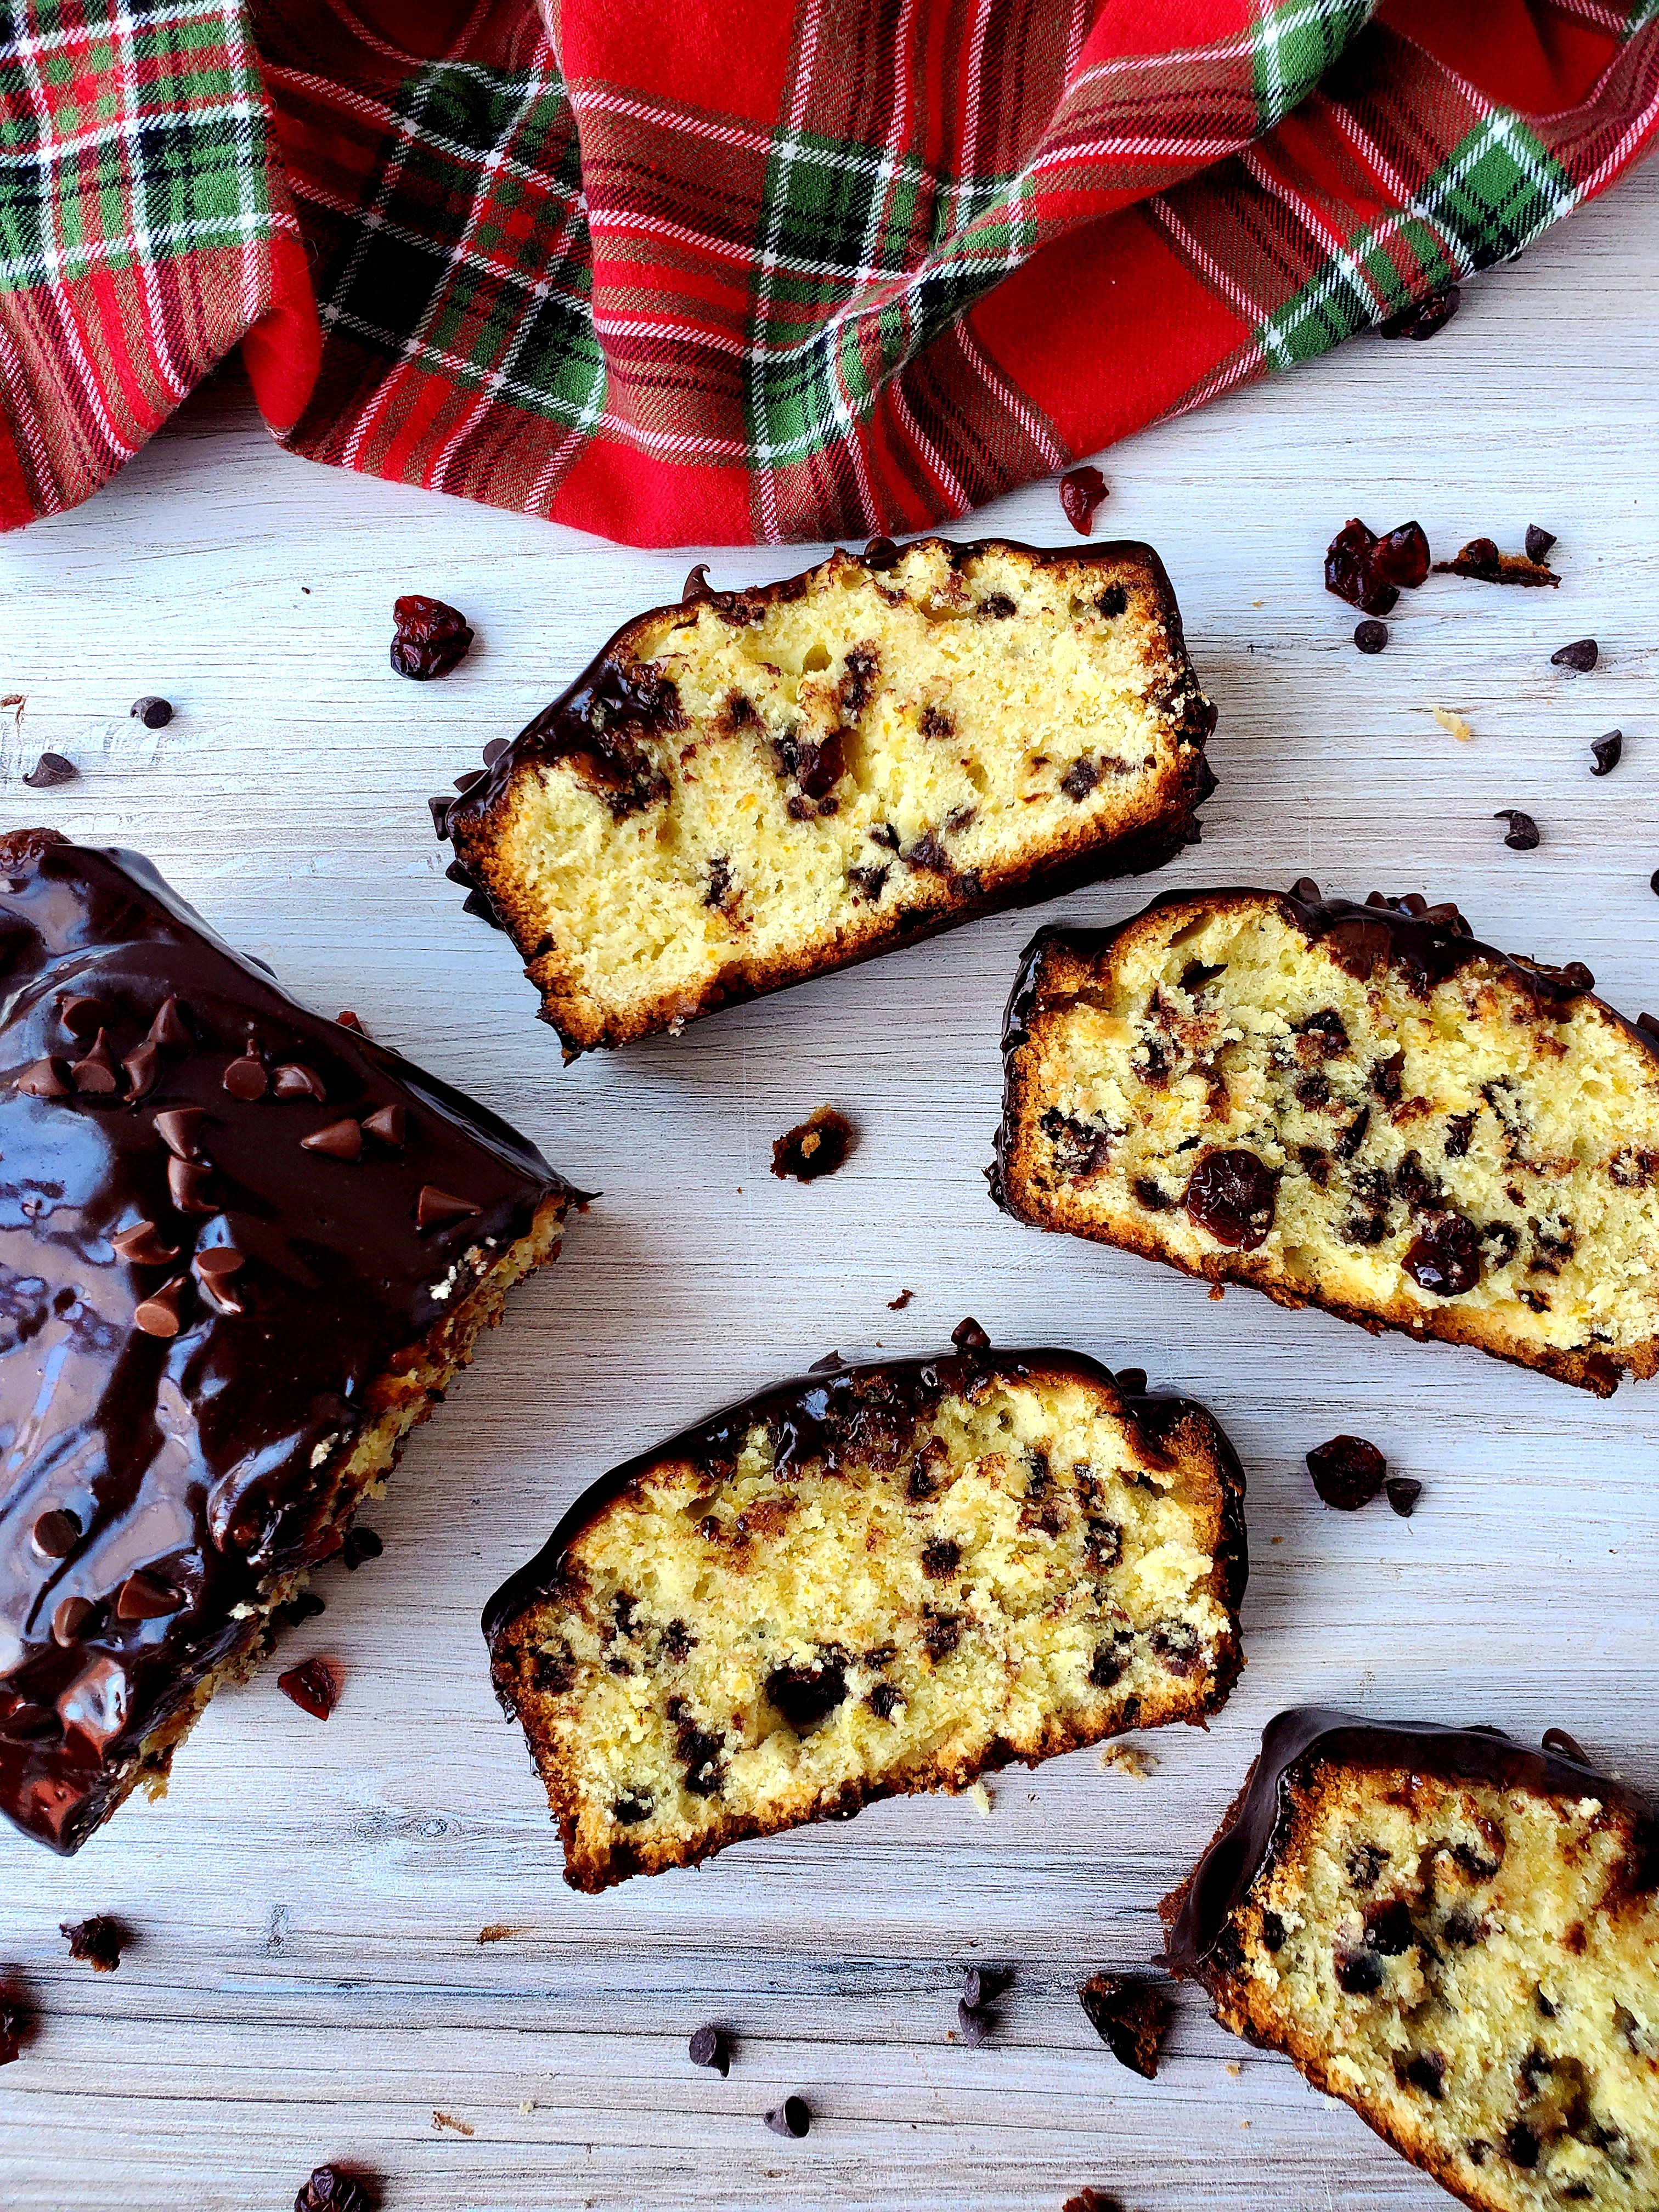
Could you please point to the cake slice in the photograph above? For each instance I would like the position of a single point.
(1457, 1936)
(872, 1580)
(1354, 1107)
(242, 1251)
(752, 787)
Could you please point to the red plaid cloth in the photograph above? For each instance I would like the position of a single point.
(720, 270)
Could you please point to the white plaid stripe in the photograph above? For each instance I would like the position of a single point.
(787, 148)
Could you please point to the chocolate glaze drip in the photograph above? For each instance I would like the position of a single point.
(1428, 943)
(841, 1410)
(1295, 1742)
(193, 1449)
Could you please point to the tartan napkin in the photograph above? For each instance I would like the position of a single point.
(718, 271)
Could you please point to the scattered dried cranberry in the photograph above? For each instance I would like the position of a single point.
(331, 2189)
(1445, 1259)
(1233, 1196)
(100, 1941)
(49, 771)
(1522, 835)
(14, 2027)
(814, 1147)
(1370, 637)
(1539, 542)
(1403, 1493)
(431, 638)
(1606, 752)
(1401, 558)
(1423, 318)
(1581, 655)
(1347, 1472)
(1348, 570)
(314, 1687)
(1080, 493)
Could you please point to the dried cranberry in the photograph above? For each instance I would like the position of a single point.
(1445, 1258)
(1347, 1472)
(1423, 318)
(100, 1941)
(1401, 558)
(1080, 493)
(330, 2189)
(314, 1687)
(16, 2022)
(1233, 1196)
(431, 638)
(1348, 562)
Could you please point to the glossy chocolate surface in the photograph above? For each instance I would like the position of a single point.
(1295, 1743)
(194, 1305)
(841, 1409)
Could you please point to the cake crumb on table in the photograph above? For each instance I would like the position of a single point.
(1129, 1759)
(448, 2120)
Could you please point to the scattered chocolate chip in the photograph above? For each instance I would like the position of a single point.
(1131, 2015)
(1445, 1259)
(153, 713)
(1558, 1740)
(292, 1080)
(1582, 654)
(142, 1065)
(1081, 491)
(1523, 834)
(696, 586)
(331, 2190)
(982, 1985)
(49, 771)
(974, 2024)
(1347, 1472)
(314, 1687)
(1539, 542)
(709, 2045)
(898, 1305)
(245, 1078)
(1606, 752)
(179, 1129)
(188, 1184)
(338, 1140)
(97, 1075)
(431, 638)
(304, 1606)
(169, 1030)
(968, 1336)
(145, 1597)
(816, 1146)
(495, 749)
(1233, 1196)
(141, 1246)
(386, 1126)
(791, 2117)
(46, 1079)
(162, 1313)
(55, 1534)
(1370, 637)
(440, 804)
(218, 1261)
(1403, 1493)
(1653, 882)
(1423, 318)
(359, 1544)
(440, 1209)
(69, 1619)
(99, 1941)
(806, 1695)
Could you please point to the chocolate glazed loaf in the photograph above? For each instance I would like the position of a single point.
(870, 1580)
(1358, 1107)
(242, 1251)
(753, 787)
(1457, 1936)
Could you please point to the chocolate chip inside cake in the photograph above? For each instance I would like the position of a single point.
(1354, 1107)
(243, 1251)
(1457, 1936)
(752, 788)
(878, 1579)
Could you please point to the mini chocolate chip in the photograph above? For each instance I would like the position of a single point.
(168, 1030)
(145, 1597)
(179, 1129)
(69, 1619)
(49, 771)
(386, 1125)
(153, 713)
(709, 2046)
(1522, 830)
(1081, 491)
(162, 1313)
(982, 1985)
(81, 1017)
(439, 1209)
(100, 1941)
(314, 1687)
(1539, 542)
(141, 1246)
(1347, 1472)
(245, 1078)
(1653, 882)
(55, 1534)
(791, 2117)
(46, 1079)
(1370, 637)
(187, 1186)
(968, 1336)
(218, 1260)
(440, 803)
(97, 1075)
(495, 749)
(974, 2024)
(1403, 1493)
(359, 1544)
(303, 1607)
(1606, 752)
(336, 1141)
(292, 1080)
(1558, 1740)
(1581, 655)
(143, 1064)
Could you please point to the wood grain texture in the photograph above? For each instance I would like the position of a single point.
(307, 1981)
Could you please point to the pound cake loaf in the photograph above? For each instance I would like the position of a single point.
(752, 787)
(869, 1580)
(1457, 1936)
(1354, 1107)
(242, 1251)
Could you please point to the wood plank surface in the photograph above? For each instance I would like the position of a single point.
(307, 1981)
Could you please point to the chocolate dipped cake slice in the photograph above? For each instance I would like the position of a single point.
(1457, 1936)
(1358, 1107)
(869, 1580)
(752, 788)
(242, 1251)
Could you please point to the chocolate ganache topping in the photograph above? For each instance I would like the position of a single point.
(223, 1219)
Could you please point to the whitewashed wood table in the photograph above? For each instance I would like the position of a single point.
(309, 1980)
